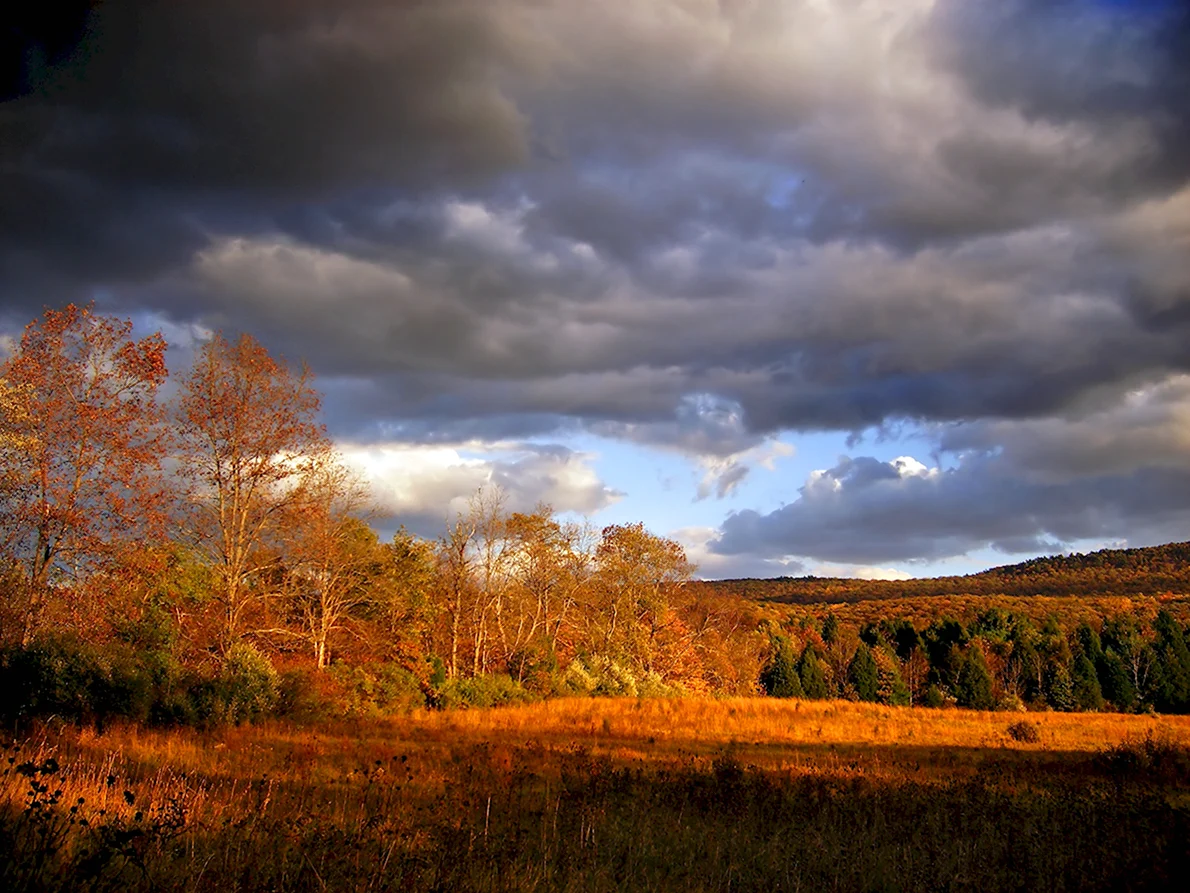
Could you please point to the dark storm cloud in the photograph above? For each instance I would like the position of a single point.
(512, 214)
(170, 118)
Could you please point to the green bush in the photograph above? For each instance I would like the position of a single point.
(76, 681)
(247, 686)
(494, 690)
(377, 688)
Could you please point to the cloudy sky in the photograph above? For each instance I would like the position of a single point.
(870, 287)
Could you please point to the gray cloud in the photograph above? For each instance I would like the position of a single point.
(865, 511)
(1120, 472)
(690, 225)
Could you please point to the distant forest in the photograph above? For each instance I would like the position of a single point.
(1155, 570)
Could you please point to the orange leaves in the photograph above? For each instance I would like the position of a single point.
(91, 441)
(248, 436)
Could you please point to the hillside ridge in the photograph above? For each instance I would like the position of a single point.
(1144, 570)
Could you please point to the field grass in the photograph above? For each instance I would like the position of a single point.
(608, 795)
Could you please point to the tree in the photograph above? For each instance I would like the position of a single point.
(637, 574)
(779, 678)
(890, 687)
(862, 674)
(1116, 682)
(332, 556)
(547, 566)
(973, 687)
(82, 443)
(1171, 671)
(812, 676)
(1085, 681)
(248, 436)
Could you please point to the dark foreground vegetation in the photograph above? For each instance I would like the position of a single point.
(521, 799)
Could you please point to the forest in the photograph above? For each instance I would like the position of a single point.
(191, 550)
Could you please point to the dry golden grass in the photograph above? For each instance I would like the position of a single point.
(767, 733)
(601, 795)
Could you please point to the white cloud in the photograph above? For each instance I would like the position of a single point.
(424, 486)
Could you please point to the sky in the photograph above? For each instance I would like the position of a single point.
(876, 288)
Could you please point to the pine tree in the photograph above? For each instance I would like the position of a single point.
(812, 676)
(1116, 682)
(1171, 672)
(779, 678)
(890, 687)
(973, 687)
(1059, 689)
(862, 673)
(1087, 693)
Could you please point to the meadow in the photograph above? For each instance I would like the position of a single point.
(607, 794)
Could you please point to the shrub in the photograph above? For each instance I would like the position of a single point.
(1152, 756)
(933, 697)
(1024, 731)
(494, 690)
(247, 686)
(377, 688)
(74, 680)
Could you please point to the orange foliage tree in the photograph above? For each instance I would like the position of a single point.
(248, 436)
(84, 442)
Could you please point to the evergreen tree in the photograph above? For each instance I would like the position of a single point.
(779, 678)
(1116, 682)
(830, 629)
(1171, 670)
(862, 673)
(944, 640)
(905, 638)
(973, 687)
(812, 676)
(1089, 643)
(890, 686)
(1059, 689)
(1087, 693)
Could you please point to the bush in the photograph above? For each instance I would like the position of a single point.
(1024, 731)
(495, 690)
(934, 697)
(74, 680)
(299, 697)
(1153, 756)
(377, 688)
(247, 687)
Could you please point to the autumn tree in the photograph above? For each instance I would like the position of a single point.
(248, 434)
(547, 567)
(332, 556)
(637, 574)
(406, 596)
(82, 443)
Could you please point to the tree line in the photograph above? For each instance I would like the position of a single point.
(218, 526)
(1001, 660)
(193, 547)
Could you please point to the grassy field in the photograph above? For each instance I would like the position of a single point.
(744, 794)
